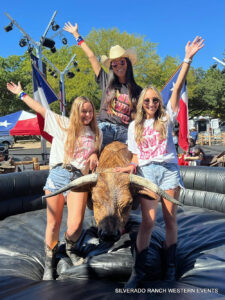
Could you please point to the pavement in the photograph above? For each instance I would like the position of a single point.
(213, 150)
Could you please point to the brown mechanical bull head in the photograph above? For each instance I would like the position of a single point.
(112, 193)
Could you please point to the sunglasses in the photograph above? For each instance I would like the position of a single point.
(121, 62)
(154, 100)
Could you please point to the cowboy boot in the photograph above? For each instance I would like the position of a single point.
(49, 262)
(169, 254)
(138, 269)
(71, 252)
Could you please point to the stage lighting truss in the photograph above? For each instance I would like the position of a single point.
(9, 27)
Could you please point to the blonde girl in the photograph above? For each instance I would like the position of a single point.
(151, 142)
(75, 145)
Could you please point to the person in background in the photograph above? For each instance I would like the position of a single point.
(74, 151)
(194, 134)
(120, 92)
(198, 157)
(150, 140)
(191, 148)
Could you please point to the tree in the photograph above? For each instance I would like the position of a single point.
(209, 95)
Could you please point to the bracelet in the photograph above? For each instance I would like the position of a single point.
(188, 60)
(21, 95)
(79, 40)
(135, 166)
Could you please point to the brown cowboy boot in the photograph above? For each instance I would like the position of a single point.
(49, 262)
(71, 252)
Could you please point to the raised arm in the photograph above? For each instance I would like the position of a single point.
(17, 90)
(90, 54)
(190, 50)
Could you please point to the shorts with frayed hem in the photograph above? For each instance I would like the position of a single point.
(165, 175)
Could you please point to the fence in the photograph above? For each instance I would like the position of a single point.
(209, 139)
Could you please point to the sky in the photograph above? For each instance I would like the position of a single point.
(170, 24)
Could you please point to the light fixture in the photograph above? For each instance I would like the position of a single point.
(77, 69)
(49, 43)
(64, 41)
(70, 75)
(23, 42)
(55, 26)
(9, 27)
(214, 66)
(75, 64)
(53, 49)
(49, 69)
(52, 73)
(55, 75)
(223, 71)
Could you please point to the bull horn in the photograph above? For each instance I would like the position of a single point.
(143, 182)
(77, 183)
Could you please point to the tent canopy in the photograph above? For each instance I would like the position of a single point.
(19, 123)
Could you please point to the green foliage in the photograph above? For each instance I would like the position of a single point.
(209, 95)
(206, 89)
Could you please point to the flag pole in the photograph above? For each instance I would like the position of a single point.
(171, 76)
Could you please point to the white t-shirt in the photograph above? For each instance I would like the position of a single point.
(83, 149)
(151, 148)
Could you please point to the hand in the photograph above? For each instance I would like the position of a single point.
(192, 48)
(130, 169)
(72, 29)
(93, 161)
(13, 88)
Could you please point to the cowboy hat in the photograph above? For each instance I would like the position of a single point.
(117, 52)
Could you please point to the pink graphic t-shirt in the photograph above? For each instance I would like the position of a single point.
(84, 146)
(121, 107)
(152, 148)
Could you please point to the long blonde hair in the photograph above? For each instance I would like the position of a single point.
(159, 117)
(76, 126)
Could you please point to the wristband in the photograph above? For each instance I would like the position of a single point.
(188, 60)
(135, 166)
(79, 40)
(22, 94)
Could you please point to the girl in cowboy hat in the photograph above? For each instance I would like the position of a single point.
(73, 152)
(119, 89)
(150, 141)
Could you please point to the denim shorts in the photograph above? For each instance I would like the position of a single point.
(58, 177)
(113, 132)
(165, 175)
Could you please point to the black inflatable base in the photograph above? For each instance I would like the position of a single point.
(200, 260)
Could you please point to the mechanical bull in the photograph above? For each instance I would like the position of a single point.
(113, 194)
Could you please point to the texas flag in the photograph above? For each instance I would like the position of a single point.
(182, 117)
(43, 93)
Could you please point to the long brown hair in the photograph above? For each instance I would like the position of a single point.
(76, 126)
(159, 117)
